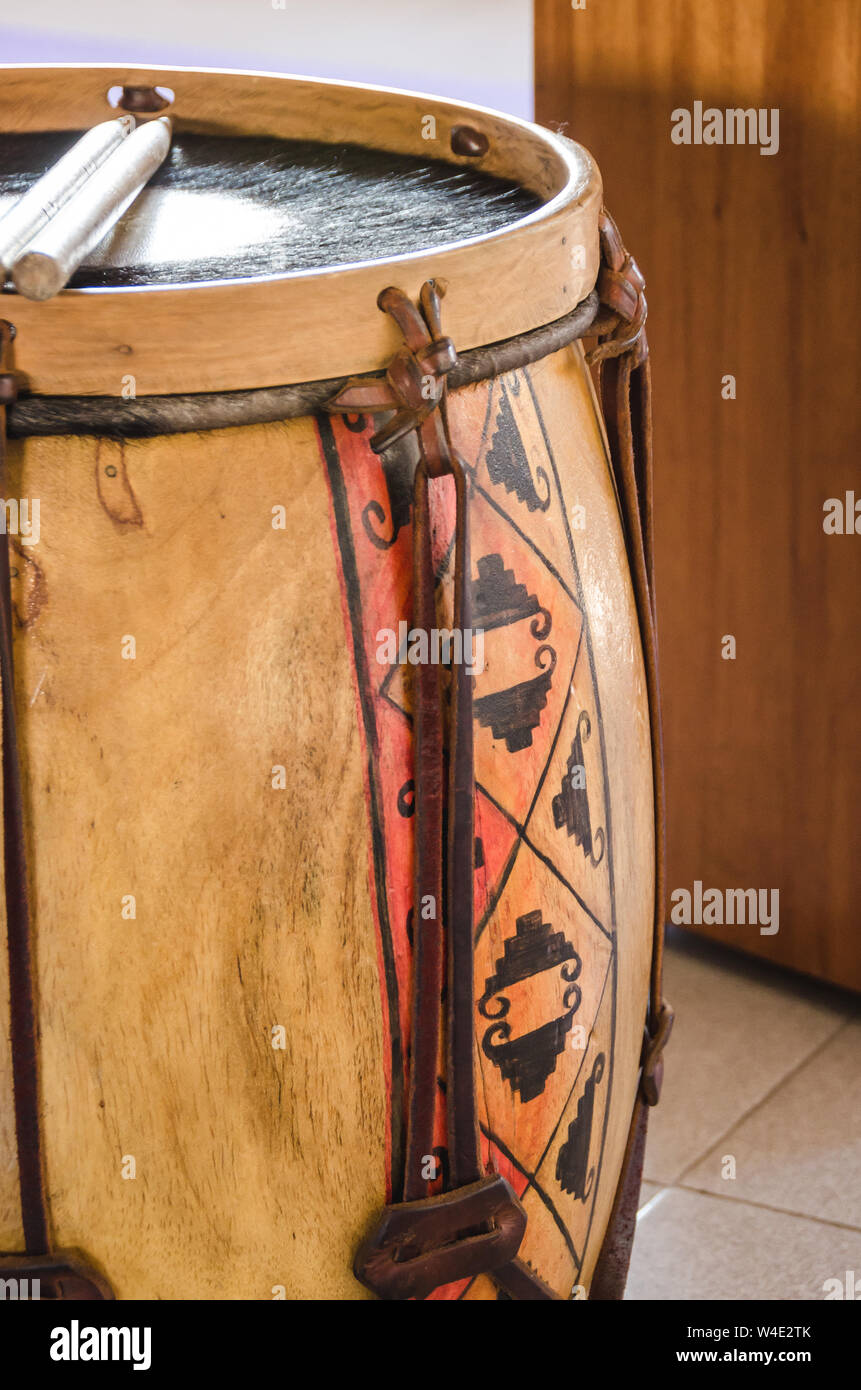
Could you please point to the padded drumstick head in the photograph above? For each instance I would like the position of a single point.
(59, 248)
(43, 199)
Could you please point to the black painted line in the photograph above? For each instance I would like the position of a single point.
(539, 554)
(537, 1189)
(354, 598)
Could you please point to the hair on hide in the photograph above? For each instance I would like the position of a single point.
(222, 208)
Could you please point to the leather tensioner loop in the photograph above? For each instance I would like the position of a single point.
(478, 1224)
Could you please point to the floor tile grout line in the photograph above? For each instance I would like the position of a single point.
(764, 1206)
(652, 1201)
(741, 1119)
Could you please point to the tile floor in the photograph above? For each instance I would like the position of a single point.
(764, 1068)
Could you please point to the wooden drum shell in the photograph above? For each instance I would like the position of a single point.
(258, 907)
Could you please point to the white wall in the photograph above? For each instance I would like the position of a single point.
(477, 50)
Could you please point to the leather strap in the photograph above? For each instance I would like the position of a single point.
(625, 386)
(477, 1225)
(428, 898)
(61, 1275)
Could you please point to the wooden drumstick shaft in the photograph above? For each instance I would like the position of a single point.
(54, 254)
(57, 185)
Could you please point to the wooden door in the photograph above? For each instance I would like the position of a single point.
(751, 264)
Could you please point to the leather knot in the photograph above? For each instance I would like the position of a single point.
(144, 100)
(414, 384)
(439, 358)
(621, 290)
(652, 1059)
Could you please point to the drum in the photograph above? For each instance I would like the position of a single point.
(330, 736)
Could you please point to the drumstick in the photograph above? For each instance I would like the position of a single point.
(48, 194)
(55, 253)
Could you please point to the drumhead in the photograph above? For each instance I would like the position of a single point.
(255, 255)
(233, 208)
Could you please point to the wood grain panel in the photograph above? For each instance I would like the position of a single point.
(752, 270)
(255, 1166)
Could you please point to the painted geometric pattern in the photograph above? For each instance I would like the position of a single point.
(545, 967)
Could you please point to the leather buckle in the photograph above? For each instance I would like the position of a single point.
(62, 1275)
(417, 1246)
